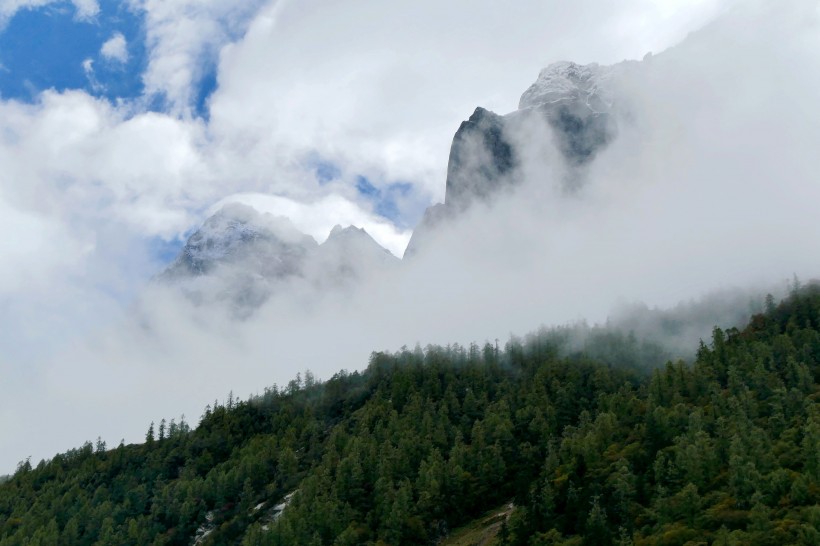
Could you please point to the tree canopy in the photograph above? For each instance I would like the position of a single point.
(592, 446)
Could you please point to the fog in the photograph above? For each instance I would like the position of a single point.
(710, 187)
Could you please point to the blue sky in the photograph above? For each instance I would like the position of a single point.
(46, 47)
(50, 47)
(55, 47)
(386, 200)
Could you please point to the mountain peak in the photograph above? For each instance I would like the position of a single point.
(232, 233)
(349, 231)
(240, 218)
(354, 239)
(236, 211)
(569, 82)
(242, 256)
(575, 101)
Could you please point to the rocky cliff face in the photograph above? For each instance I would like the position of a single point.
(576, 102)
(481, 156)
(579, 103)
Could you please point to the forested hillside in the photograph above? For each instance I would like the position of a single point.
(591, 447)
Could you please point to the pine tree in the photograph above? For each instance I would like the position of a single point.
(149, 436)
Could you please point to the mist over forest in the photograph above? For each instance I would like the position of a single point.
(618, 213)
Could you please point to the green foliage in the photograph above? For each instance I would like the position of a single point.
(591, 448)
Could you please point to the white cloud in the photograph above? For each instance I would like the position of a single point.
(37, 250)
(115, 48)
(81, 156)
(183, 36)
(9, 7)
(86, 9)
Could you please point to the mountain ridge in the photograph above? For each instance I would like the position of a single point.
(242, 257)
(576, 104)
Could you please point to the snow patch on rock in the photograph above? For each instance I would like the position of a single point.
(569, 82)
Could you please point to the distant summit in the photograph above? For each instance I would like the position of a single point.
(574, 103)
(566, 82)
(237, 233)
(241, 257)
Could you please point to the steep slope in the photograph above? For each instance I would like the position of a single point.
(725, 451)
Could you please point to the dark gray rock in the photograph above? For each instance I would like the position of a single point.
(481, 157)
(575, 101)
(580, 133)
